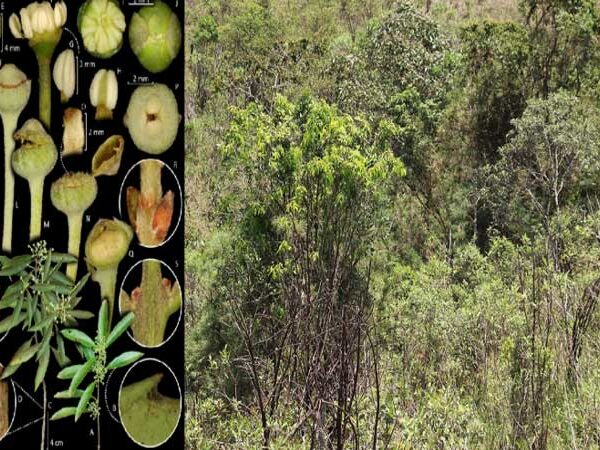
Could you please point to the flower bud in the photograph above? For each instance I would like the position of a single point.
(15, 89)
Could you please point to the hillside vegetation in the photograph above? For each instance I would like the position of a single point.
(393, 224)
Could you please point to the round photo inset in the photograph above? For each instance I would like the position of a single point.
(150, 403)
(151, 291)
(151, 201)
(8, 405)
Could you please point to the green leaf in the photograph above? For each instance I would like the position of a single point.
(120, 328)
(24, 353)
(60, 354)
(68, 394)
(62, 258)
(42, 368)
(52, 287)
(69, 372)
(9, 370)
(81, 374)
(15, 265)
(79, 286)
(63, 413)
(84, 400)
(78, 336)
(42, 325)
(8, 323)
(82, 315)
(61, 278)
(124, 359)
(103, 320)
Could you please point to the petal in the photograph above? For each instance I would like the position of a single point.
(113, 89)
(60, 14)
(15, 26)
(26, 23)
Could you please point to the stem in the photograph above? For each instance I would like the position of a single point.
(44, 417)
(98, 418)
(107, 278)
(75, 220)
(4, 412)
(151, 193)
(10, 125)
(45, 84)
(36, 189)
(153, 304)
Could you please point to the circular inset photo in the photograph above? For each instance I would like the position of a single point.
(151, 201)
(151, 291)
(8, 405)
(150, 403)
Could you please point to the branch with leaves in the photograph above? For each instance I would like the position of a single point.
(41, 300)
(95, 367)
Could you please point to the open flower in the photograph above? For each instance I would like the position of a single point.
(41, 25)
(38, 20)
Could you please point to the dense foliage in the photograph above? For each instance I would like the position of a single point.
(393, 225)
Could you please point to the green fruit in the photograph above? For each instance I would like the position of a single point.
(74, 192)
(155, 36)
(101, 24)
(37, 155)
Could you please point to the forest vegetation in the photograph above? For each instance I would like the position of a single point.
(393, 224)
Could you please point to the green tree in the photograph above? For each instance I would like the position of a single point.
(309, 199)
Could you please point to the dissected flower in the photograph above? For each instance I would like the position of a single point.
(153, 118)
(73, 132)
(107, 158)
(104, 92)
(101, 23)
(64, 74)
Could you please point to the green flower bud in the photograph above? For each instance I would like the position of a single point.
(155, 36)
(152, 118)
(15, 89)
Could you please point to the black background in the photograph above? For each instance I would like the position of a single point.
(65, 433)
